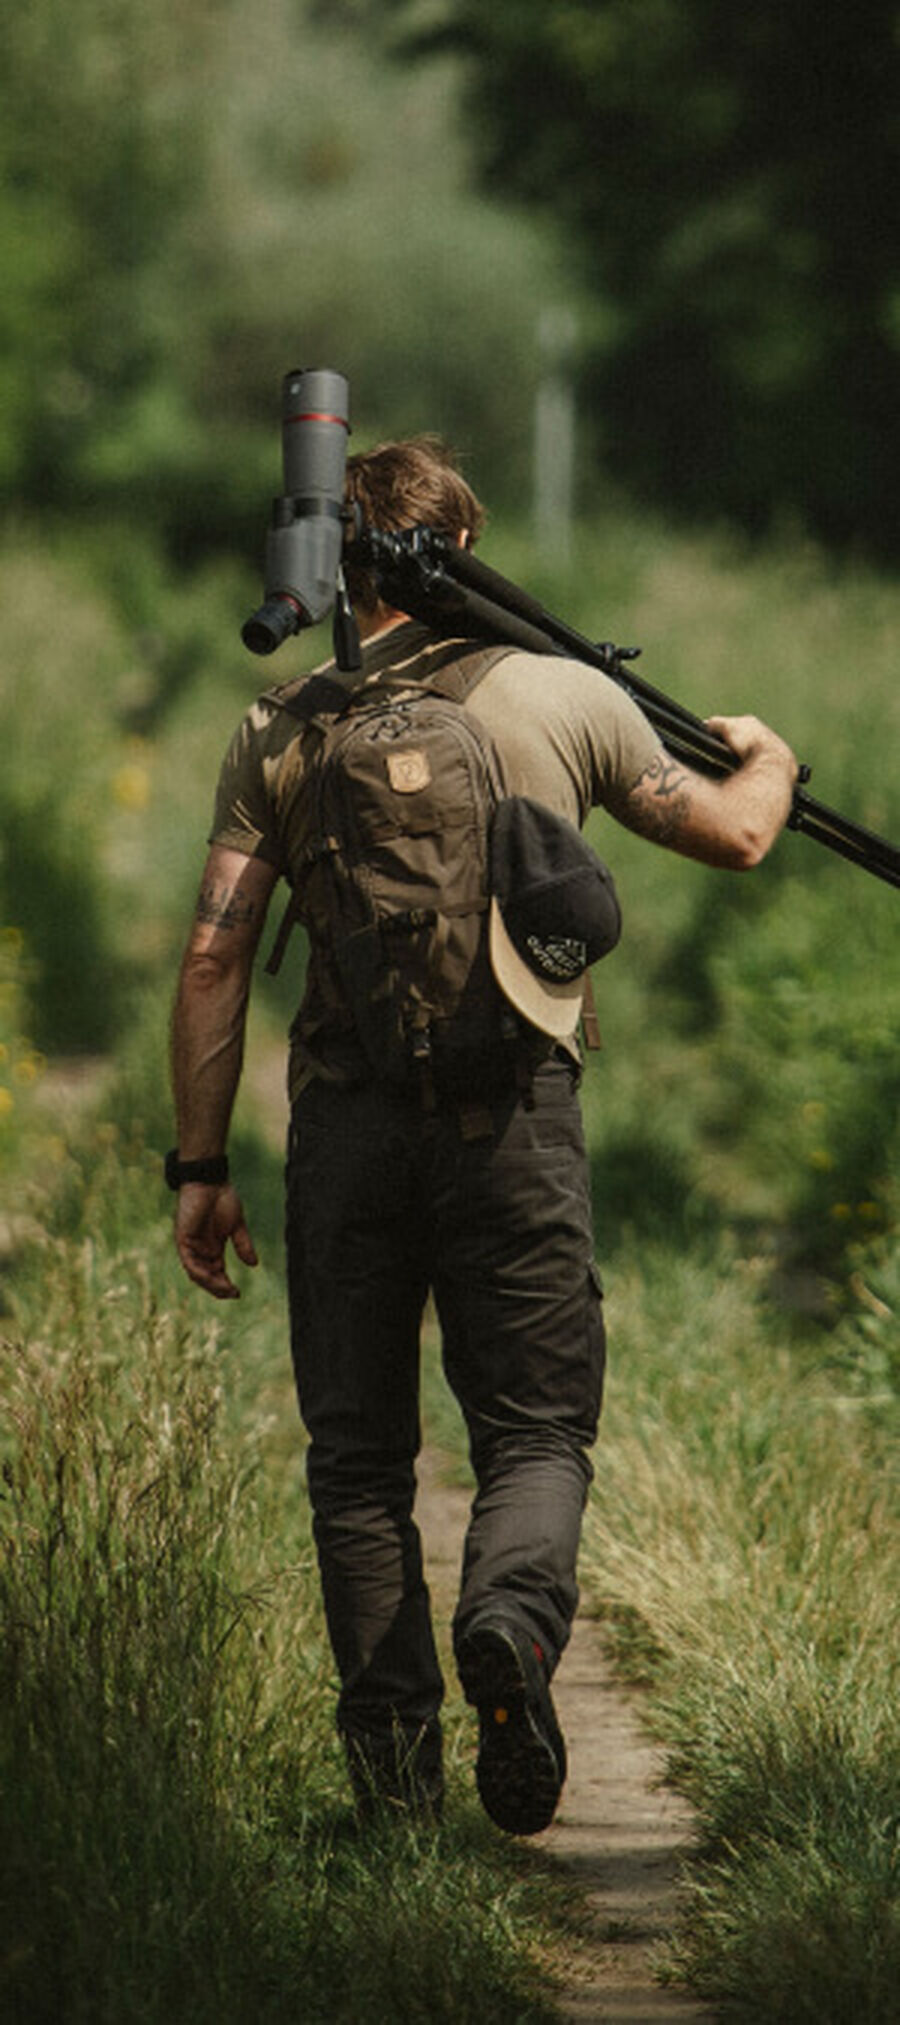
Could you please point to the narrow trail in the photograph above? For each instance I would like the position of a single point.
(618, 1832)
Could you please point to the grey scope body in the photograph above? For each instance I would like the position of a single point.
(305, 538)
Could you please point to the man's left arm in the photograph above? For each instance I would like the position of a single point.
(208, 1028)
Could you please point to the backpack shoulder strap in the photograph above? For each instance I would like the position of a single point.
(312, 696)
(452, 670)
(456, 677)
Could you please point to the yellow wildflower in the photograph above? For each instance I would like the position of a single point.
(29, 1068)
(822, 1159)
(131, 786)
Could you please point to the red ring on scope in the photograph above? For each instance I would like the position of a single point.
(314, 417)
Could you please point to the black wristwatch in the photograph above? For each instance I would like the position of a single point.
(213, 1171)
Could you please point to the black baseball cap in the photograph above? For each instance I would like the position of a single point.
(554, 912)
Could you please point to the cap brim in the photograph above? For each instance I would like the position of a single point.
(552, 1008)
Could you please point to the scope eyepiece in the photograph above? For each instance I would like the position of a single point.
(272, 624)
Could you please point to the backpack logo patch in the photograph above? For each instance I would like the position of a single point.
(409, 772)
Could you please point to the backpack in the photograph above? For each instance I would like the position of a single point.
(394, 889)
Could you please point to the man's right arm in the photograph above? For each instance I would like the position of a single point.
(731, 821)
(208, 1024)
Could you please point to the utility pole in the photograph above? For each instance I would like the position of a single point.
(554, 434)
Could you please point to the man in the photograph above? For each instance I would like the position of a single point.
(389, 1198)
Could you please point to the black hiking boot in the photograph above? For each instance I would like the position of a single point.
(521, 1765)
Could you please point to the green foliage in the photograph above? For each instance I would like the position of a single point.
(98, 858)
(76, 999)
(806, 1077)
(260, 188)
(57, 765)
(21, 1063)
(97, 147)
(729, 177)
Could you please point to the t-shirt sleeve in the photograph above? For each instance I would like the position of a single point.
(243, 815)
(620, 742)
(566, 732)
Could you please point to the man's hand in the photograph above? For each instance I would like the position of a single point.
(206, 1217)
(749, 739)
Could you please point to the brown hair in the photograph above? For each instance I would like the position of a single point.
(415, 483)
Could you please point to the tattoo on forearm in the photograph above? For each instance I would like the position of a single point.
(658, 803)
(221, 908)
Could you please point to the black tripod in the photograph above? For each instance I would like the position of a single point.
(425, 574)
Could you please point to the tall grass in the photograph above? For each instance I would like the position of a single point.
(742, 1542)
(175, 1835)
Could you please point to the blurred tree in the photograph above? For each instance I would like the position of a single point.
(196, 198)
(95, 151)
(731, 178)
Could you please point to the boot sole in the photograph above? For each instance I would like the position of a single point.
(521, 1764)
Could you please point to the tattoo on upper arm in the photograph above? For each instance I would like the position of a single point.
(658, 803)
(220, 907)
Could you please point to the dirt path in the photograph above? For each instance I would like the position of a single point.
(617, 1832)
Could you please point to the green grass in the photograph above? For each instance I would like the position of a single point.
(175, 1833)
(742, 1543)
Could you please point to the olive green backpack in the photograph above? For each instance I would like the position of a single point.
(395, 889)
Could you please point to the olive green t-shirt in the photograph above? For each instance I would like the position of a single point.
(565, 734)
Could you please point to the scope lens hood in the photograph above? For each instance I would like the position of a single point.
(275, 621)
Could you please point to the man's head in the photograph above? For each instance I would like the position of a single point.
(411, 484)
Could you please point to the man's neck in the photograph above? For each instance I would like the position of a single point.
(383, 620)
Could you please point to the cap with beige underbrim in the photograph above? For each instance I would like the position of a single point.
(554, 912)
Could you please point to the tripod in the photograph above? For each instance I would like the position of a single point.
(423, 573)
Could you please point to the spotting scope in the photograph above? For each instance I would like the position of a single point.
(305, 538)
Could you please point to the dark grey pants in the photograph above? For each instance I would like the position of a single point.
(384, 1203)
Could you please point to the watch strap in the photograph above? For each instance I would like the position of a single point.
(213, 1172)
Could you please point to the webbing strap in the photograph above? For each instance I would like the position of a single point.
(289, 919)
(590, 1025)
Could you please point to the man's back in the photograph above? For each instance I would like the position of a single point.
(563, 733)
